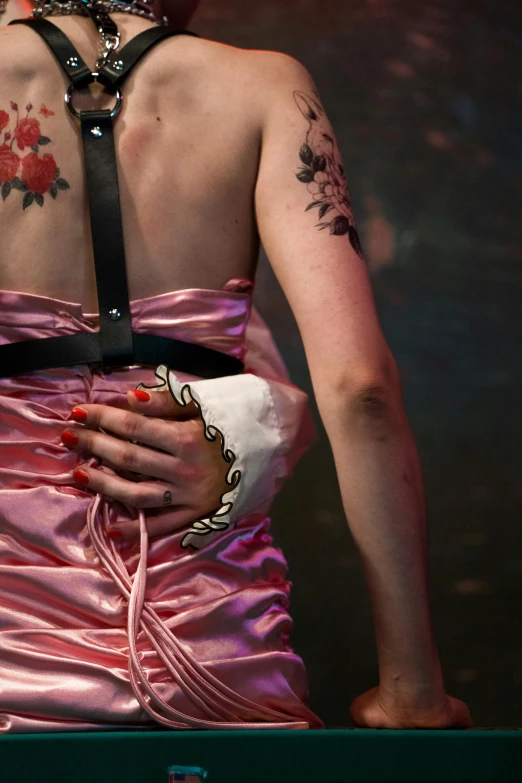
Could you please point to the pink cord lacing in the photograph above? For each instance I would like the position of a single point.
(212, 696)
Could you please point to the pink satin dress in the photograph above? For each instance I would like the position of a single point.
(221, 613)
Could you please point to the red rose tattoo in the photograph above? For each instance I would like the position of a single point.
(38, 173)
(4, 119)
(33, 175)
(9, 162)
(27, 133)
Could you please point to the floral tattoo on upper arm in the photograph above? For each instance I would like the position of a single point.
(31, 174)
(323, 172)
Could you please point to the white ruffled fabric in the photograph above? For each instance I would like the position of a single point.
(264, 426)
(260, 422)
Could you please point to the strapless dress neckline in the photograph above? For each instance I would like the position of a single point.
(236, 286)
(64, 619)
(216, 318)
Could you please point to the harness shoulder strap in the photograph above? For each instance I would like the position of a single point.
(112, 74)
(116, 345)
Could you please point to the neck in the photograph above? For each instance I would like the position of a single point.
(16, 9)
(21, 9)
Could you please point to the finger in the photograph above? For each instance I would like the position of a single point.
(129, 475)
(161, 434)
(163, 405)
(130, 457)
(129, 531)
(143, 494)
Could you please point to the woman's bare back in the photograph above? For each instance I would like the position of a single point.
(187, 143)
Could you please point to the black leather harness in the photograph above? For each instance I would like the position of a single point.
(115, 345)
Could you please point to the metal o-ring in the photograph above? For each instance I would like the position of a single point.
(68, 97)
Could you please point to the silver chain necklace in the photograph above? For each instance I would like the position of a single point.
(109, 40)
(54, 8)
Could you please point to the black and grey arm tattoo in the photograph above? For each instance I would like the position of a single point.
(322, 172)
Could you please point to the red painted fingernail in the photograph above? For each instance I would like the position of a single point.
(78, 414)
(113, 533)
(141, 395)
(81, 476)
(69, 438)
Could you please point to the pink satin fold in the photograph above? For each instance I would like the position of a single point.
(95, 635)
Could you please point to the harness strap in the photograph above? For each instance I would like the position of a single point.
(44, 353)
(115, 345)
(113, 74)
(64, 50)
(222, 707)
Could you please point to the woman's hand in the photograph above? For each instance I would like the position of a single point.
(374, 710)
(171, 464)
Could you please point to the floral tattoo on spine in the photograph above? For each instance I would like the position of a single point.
(31, 174)
(323, 173)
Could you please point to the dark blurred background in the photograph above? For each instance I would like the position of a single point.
(425, 99)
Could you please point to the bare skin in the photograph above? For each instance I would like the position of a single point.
(160, 458)
(187, 142)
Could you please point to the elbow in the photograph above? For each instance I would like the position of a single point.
(377, 401)
(369, 392)
(368, 383)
